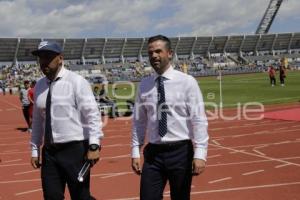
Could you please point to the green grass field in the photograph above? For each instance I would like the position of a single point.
(238, 89)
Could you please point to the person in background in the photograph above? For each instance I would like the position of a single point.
(66, 120)
(25, 103)
(282, 75)
(169, 109)
(272, 75)
(31, 100)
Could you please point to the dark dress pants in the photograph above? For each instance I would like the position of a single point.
(164, 163)
(60, 166)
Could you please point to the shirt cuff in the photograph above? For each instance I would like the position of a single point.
(94, 140)
(34, 153)
(200, 153)
(135, 152)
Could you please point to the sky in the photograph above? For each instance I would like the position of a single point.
(140, 18)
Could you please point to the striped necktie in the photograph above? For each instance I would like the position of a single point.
(48, 129)
(162, 108)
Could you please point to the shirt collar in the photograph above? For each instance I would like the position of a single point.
(60, 74)
(168, 74)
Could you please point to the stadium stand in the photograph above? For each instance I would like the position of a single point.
(122, 59)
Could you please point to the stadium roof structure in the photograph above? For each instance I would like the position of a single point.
(19, 49)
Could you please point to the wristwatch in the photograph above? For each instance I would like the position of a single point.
(94, 147)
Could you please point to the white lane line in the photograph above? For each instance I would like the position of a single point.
(28, 192)
(214, 156)
(12, 165)
(220, 180)
(246, 146)
(130, 198)
(255, 149)
(115, 145)
(225, 190)
(260, 156)
(246, 188)
(13, 150)
(26, 172)
(117, 174)
(120, 156)
(20, 181)
(13, 105)
(280, 166)
(17, 152)
(215, 142)
(10, 161)
(10, 109)
(253, 172)
(284, 142)
(238, 151)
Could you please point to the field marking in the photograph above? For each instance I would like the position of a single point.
(11, 104)
(220, 180)
(10, 161)
(215, 142)
(115, 145)
(26, 172)
(13, 138)
(280, 166)
(112, 157)
(246, 146)
(246, 188)
(17, 152)
(10, 109)
(260, 156)
(225, 190)
(9, 151)
(283, 142)
(253, 172)
(255, 149)
(214, 156)
(12, 165)
(117, 174)
(20, 181)
(28, 192)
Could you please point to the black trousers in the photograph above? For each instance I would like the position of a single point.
(60, 166)
(26, 114)
(167, 162)
(272, 80)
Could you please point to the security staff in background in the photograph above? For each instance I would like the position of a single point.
(67, 122)
(169, 108)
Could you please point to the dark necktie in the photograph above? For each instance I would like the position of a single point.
(162, 108)
(48, 129)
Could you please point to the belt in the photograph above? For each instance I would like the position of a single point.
(169, 145)
(59, 146)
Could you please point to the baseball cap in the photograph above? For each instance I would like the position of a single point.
(47, 46)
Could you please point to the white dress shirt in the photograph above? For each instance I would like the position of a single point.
(186, 118)
(74, 112)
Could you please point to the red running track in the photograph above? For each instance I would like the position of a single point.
(246, 160)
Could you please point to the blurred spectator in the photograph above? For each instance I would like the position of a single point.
(25, 102)
(272, 75)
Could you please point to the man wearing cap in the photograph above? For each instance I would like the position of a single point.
(67, 122)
